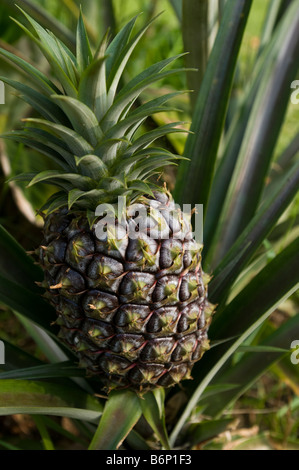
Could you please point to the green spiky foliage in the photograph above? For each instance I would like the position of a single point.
(87, 125)
(134, 310)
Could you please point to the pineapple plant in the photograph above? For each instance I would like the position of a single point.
(129, 291)
(118, 284)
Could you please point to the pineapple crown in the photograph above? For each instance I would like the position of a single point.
(88, 124)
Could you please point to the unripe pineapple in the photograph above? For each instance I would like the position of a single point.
(130, 294)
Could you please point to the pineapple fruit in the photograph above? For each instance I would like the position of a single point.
(131, 301)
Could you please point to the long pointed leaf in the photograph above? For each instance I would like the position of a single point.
(198, 433)
(38, 77)
(233, 142)
(129, 93)
(107, 150)
(82, 118)
(276, 282)
(277, 276)
(253, 365)
(15, 264)
(261, 136)
(52, 52)
(92, 87)
(44, 143)
(270, 22)
(16, 358)
(155, 416)
(81, 182)
(77, 144)
(114, 51)
(120, 414)
(149, 137)
(84, 54)
(39, 101)
(45, 398)
(195, 28)
(244, 248)
(45, 371)
(282, 164)
(118, 68)
(194, 178)
(28, 304)
(47, 20)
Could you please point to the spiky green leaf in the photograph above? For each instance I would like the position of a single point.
(39, 101)
(84, 54)
(195, 178)
(92, 166)
(34, 397)
(38, 77)
(79, 181)
(120, 414)
(92, 87)
(121, 61)
(76, 143)
(55, 54)
(82, 118)
(130, 92)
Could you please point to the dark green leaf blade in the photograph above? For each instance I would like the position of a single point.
(194, 178)
(248, 310)
(39, 78)
(92, 87)
(177, 6)
(121, 61)
(155, 416)
(44, 371)
(16, 358)
(120, 414)
(15, 264)
(54, 52)
(27, 303)
(84, 54)
(246, 245)
(79, 115)
(47, 20)
(39, 101)
(46, 398)
(195, 27)
(81, 182)
(118, 44)
(253, 365)
(270, 22)
(130, 92)
(261, 135)
(198, 433)
(276, 278)
(77, 144)
(234, 138)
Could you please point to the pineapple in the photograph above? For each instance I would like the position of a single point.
(130, 294)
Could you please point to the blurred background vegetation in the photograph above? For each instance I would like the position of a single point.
(267, 416)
